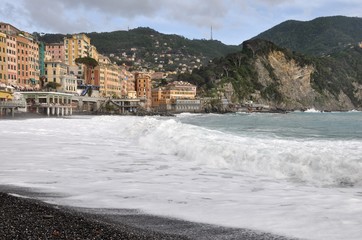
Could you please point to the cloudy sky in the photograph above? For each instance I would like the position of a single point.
(233, 21)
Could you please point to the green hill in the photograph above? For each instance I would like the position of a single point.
(268, 74)
(148, 42)
(320, 36)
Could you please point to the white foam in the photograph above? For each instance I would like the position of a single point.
(312, 110)
(161, 166)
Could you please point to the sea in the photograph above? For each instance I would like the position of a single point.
(297, 175)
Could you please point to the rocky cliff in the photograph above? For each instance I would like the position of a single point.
(274, 76)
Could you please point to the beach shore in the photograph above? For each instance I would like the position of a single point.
(22, 216)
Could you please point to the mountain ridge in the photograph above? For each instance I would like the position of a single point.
(320, 36)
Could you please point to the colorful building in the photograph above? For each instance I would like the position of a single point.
(57, 71)
(56, 51)
(143, 86)
(3, 59)
(28, 61)
(9, 29)
(11, 60)
(177, 96)
(76, 46)
(109, 80)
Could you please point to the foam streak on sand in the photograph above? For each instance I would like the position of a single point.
(302, 186)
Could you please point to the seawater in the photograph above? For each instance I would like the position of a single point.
(295, 174)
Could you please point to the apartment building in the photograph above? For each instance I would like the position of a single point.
(109, 80)
(3, 59)
(177, 96)
(57, 71)
(127, 83)
(143, 88)
(9, 29)
(27, 61)
(76, 46)
(56, 51)
(11, 60)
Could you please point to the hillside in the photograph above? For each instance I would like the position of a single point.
(152, 49)
(275, 76)
(318, 37)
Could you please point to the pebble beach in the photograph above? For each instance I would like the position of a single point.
(28, 218)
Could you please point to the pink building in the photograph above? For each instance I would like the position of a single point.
(9, 29)
(56, 51)
(11, 59)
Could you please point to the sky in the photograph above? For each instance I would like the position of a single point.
(232, 21)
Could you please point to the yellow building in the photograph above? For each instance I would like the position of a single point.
(177, 96)
(22, 57)
(57, 71)
(54, 71)
(109, 78)
(93, 53)
(76, 46)
(3, 59)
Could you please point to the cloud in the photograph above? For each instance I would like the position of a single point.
(232, 20)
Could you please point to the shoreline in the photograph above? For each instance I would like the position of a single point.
(24, 216)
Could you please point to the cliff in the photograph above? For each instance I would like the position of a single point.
(274, 76)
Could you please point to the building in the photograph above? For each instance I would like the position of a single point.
(49, 103)
(8, 29)
(76, 46)
(11, 60)
(127, 83)
(3, 59)
(22, 57)
(177, 96)
(109, 80)
(143, 88)
(56, 51)
(57, 72)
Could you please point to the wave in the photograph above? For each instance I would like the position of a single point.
(320, 162)
(312, 110)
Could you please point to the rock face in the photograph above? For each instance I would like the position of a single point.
(265, 74)
(294, 83)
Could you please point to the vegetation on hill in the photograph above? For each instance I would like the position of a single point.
(148, 41)
(251, 72)
(320, 36)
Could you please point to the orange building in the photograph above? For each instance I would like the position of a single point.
(27, 60)
(176, 96)
(143, 88)
(11, 59)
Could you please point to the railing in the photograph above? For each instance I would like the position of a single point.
(14, 103)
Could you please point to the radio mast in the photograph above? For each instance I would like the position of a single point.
(211, 33)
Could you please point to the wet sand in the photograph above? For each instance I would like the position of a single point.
(22, 216)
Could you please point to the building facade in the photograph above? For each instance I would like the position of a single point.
(110, 85)
(76, 46)
(57, 72)
(143, 88)
(11, 60)
(3, 59)
(56, 51)
(177, 96)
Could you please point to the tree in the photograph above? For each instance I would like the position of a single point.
(53, 85)
(90, 64)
